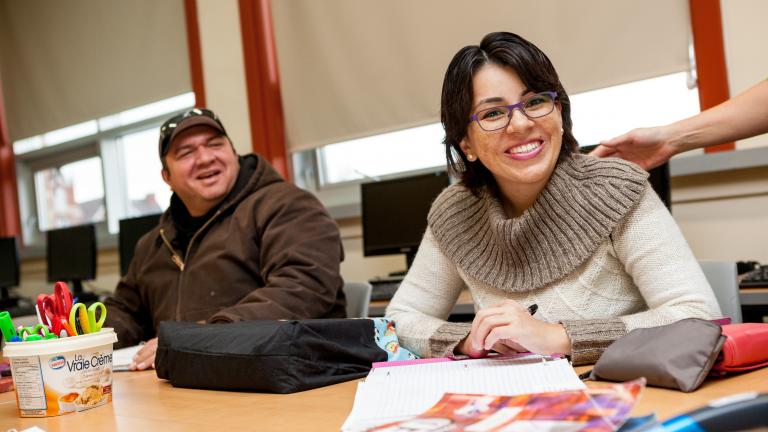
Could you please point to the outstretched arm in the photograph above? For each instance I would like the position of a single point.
(741, 117)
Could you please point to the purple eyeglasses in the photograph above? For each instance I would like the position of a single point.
(534, 106)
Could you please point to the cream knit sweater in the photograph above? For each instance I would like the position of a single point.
(597, 252)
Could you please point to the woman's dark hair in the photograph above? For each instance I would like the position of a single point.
(534, 69)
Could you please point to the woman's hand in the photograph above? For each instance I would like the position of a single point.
(508, 327)
(647, 147)
(465, 347)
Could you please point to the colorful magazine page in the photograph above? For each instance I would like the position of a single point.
(599, 408)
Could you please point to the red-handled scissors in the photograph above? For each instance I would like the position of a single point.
(54, 309)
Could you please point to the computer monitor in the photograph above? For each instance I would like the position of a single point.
(395, 213)
(131, 231)
(9, 270)
(71, 257)
(658, 178)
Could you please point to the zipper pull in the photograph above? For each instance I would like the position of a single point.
(174, 256)
(176, 260)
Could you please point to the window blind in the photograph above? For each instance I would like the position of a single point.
(64, 63)
(354, 68)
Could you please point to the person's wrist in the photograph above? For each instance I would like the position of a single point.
(678, 137)
(561, 343)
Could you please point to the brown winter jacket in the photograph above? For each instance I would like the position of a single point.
(271, 251)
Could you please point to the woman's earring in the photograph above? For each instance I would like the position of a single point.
(562, 131)
(470, 157)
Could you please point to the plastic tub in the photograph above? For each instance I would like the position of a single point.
(59, 376)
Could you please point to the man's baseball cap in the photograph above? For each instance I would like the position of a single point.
(180, 122)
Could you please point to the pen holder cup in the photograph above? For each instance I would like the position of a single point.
(60, 376)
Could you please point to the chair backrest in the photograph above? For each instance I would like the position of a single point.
(358, 298)
(721, 275)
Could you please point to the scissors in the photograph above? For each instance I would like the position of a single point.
(37, 330)
(82, 320)
(54, 309)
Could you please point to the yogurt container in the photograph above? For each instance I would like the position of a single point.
(59, 376)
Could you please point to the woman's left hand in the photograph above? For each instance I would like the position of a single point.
(508, 327)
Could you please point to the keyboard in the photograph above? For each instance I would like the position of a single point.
(384, 289)
(757, 278)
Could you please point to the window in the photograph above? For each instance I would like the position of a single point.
(379, 155)
(98, 171)
(146, 192)
(71, 194)
(605, 113)
(597, 115)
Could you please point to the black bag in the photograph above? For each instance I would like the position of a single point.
(268, 356)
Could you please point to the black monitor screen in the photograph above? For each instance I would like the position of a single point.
(395, 212)
(9, 262)
(72, 253)
(131, 231)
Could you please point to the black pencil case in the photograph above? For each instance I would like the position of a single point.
(266, 356)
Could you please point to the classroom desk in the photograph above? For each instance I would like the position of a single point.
(142, 402)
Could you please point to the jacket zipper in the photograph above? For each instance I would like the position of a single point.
(174, 256)
(181, 264)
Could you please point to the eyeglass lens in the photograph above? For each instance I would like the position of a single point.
(499, 117)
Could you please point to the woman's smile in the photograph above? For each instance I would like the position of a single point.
(527, 150)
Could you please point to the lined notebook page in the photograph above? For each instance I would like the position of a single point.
(121, 358)
(394, 393)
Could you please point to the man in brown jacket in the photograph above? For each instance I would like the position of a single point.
(237, 243)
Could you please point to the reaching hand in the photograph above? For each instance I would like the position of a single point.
(647, 147)
(508, 327)
(145, 357)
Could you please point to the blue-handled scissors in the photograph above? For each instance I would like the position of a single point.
(83, 320)
(55, 308)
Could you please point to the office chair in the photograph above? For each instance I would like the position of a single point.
(358, 298)
(721, 275)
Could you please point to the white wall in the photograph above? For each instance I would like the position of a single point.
(745, 34)
(724, 216)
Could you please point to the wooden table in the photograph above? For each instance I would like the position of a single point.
(144, 403)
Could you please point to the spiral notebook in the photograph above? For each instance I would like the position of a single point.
(397, 392)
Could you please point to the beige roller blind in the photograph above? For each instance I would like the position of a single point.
(65, 62)
(353, 68)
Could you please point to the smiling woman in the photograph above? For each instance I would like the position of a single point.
(519, 149)
(533, 223)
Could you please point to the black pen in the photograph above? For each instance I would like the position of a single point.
(533, 308)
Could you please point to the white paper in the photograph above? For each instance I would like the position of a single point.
(399, 392)
(122, 358)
